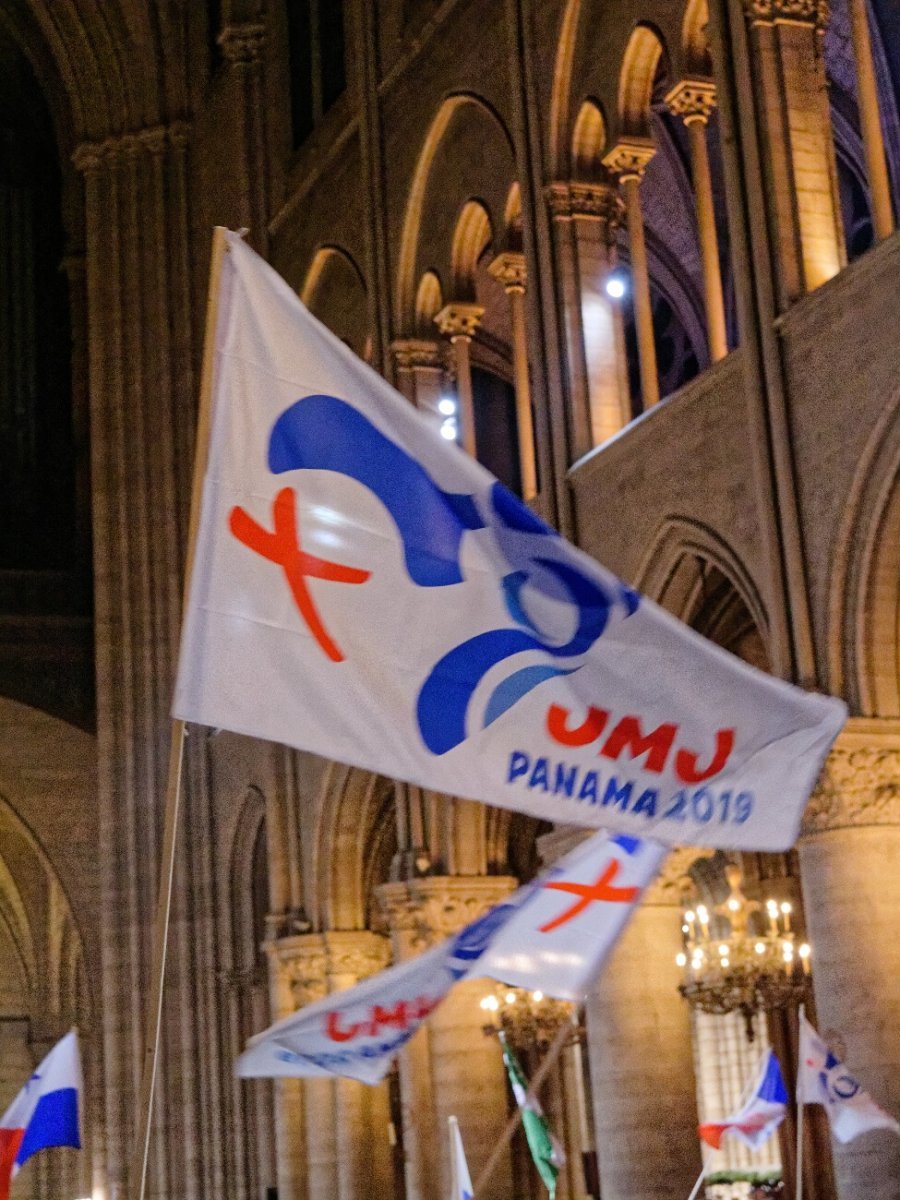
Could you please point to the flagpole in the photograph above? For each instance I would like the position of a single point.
(138, 1177)
(549, 1061)
(452, 1128)
(801, 1014)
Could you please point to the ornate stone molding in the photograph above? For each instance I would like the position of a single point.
(692, 100)
(313, 963)
(410, 353)
(424, 911)
(592, 201)
(629, 158)
(154, 140)
(459, 319)
(509, 270)
(805, 12)
(859, 786)
(242, 45)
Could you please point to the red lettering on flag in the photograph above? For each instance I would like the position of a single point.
(281, 545)
(601, 890)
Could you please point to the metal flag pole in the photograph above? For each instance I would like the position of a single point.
(801, 1015)
(144, 1124)
(549, 1061)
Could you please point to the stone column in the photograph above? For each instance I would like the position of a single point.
(870, 121)
(640, 1054)
(850, 870)
(509, 271)
(786, 44)
(242, 45)
(450, 1067)
(332, 1133)
(419, 368)
(693, 100)
(586, 217)
(628, 160)
(458, 322)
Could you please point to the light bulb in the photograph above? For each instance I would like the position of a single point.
(510, 997)
(446, 406)
(723, 950)
(681, 960)
(689, 915)
(786, 908)
(804, 951)
(771, 908)
(760, 947)
(537, 997)
(733, 905)
(448, 430)
(615, 287)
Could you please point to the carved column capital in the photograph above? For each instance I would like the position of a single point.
(425, 911)
(629, 158)
(587, 201)
(803, 12)
(509, 270)
(412, 353)
(312, 963)
(459, 319)
(859, 785)
(242, 44)
(692, 100)
(90, 157)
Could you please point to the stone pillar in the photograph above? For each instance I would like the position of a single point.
(870, 121)
(242, 45)
(458, 322)
(586, 217)
(419, 369)
(628, 160)
(450, 1068)
(640, 1054)
(850, 870)
(509, 270)
(693, 100)
(332, 1133)
(786, 43)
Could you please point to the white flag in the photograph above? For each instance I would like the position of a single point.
(552, 935)
(462, 1180)
(823, 1079)
(367, 591)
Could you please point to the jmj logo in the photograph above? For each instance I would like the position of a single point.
(327, 434)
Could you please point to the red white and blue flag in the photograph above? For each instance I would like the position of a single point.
(365, 590)
(45, 1112)
(552, 936)
(758, 1119)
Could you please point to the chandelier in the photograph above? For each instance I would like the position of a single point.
(527, 1019)
(756, 966)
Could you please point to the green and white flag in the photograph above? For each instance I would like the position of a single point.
(545, 1150)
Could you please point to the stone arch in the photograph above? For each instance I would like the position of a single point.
(690, 570)
(429, 302)
(864, 605)
(454, 109)
(643, 55)
(562, 88)
(244, 865)
(352, 810)
(589, 137)
(512, 214)
(694, 43)
(334, 290)
(473, 234)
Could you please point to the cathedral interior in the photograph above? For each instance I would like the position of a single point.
(648, 250)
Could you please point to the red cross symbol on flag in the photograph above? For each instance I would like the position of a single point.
(600, 890)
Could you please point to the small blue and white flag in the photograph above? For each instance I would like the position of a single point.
(758, 1119)
(823, 1079)
(459, 1168)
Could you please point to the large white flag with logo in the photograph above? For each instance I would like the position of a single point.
(552, 936)
(367, 591)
